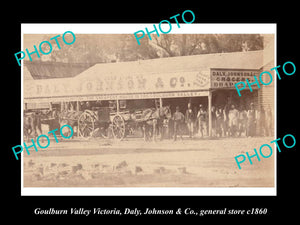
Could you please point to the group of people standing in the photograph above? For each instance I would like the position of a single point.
(227, 121)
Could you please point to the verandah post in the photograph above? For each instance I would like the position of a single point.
(209, 113)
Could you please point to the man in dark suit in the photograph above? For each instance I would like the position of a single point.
(178, 119)
(189, 119)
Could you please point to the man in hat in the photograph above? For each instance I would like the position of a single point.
(82, 106)
(261, 122)
(213, 120)
(201, 116)
(251, 123)
(233, 116)
(226, 119)
(178, 119)
(88, 105)
(269, 121)
(220, 121)
(189, 119)
(242, 124)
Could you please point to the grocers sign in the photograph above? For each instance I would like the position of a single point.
(226, 78)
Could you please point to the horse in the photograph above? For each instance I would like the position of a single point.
(70, 118)
(152, 121)
(32, 124)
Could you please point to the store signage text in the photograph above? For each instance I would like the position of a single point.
(226, 78)
(119, 96)
(184, 81)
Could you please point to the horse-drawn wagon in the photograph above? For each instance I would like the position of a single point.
(112, 123)
(87, 121)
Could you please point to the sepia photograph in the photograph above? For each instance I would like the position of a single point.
(148, 112)
(101, 111)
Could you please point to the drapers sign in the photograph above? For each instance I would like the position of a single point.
(226, 78)
(121, 84)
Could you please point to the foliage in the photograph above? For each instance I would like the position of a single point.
(100, 48)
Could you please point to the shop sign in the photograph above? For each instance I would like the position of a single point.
(227, 78)
(118, 84)
(118, 96)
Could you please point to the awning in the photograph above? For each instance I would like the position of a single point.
(121, 86)
(155, 78)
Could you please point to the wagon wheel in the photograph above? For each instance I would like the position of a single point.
(118, 127)
(86, 125)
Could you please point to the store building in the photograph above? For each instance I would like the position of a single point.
(206, 79)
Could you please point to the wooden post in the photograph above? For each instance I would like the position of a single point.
(209, 113)
(77, 106)
(118, 106)
(160, 103)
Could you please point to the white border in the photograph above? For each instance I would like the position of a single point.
(154, 191)
(195, 28)
(275, 112)
(132, 28)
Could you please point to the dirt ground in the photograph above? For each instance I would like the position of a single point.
(132, 162)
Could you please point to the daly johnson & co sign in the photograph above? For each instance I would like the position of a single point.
(100, 85)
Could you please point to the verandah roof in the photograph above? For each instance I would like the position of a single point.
(163, 75)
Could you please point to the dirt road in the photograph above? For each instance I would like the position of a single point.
(135, 163)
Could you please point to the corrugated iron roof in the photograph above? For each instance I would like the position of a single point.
(237, 60)
(26, 74)
(50, 70)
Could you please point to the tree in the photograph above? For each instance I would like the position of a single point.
(193, 44)
(131, 51)
(101, 48)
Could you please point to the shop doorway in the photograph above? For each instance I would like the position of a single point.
(221, 97)
(183, 106)
(183, 103)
